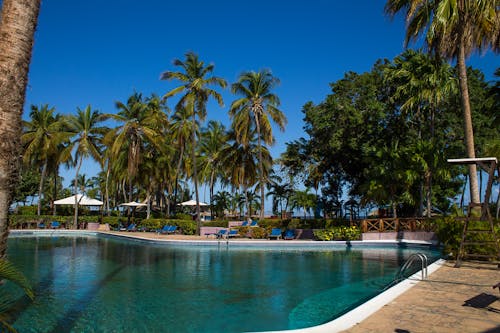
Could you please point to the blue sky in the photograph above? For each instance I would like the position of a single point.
(99, 52)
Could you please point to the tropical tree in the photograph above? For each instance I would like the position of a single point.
(143, 122)
(213, 142)
(180, 132)
(422, 85)
(454, 29)
(18, 22)
(257, 107)
(42, 138)
(304, 200)
(86, 142)
(195, 94)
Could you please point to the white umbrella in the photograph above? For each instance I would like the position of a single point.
(82, 200)
(192, 203)
(133, 204)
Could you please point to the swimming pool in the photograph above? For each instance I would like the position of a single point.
(103, 284)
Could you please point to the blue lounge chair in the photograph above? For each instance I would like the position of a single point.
(275, 233)
(41, 225)
(244, 224)
(232, 233)
(221, 233)
(131, 227)
(254, 224)
(168, 229)
(55, 225)
(289, 234)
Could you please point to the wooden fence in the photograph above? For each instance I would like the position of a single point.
(395, 224)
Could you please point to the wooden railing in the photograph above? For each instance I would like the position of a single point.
(395, 224)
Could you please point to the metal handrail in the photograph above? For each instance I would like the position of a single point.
(411, 259)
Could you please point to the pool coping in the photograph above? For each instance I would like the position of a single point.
(230, 242)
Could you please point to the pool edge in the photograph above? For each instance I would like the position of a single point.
(362, 312)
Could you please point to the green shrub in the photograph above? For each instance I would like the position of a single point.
(221, 223)
(26, 210)
(258, 232)
(338, 233)
(183, 216)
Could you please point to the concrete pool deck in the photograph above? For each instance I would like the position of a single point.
(450, 300)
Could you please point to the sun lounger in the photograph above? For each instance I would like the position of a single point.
(131, 227)
(41, 225)
(168, 229)
(55, 225)
(221, 233)
(244, 224)
(232, 233)
(275, 233)
(254, 224)
(289, 234)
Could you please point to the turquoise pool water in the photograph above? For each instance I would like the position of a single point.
(100, 284)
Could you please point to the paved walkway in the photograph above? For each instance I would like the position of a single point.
(439, 304)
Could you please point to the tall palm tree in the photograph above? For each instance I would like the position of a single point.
(454, 29)
(213, 141)
(18, 22)
(142, 122)
(196, 92)
(181, 128)
(42, 138)
(257, 106)
(87, 142)
(423, 84)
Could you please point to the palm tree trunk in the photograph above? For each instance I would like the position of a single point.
(195, 176)
(40, 188)
(17, 28)
(75, 220)
(56, 174)
(181, 156)
(107, 190)
(468, 130)
(261, 168)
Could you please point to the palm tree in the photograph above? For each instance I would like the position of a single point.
(87, 142)
(143, 122)
(42, 138)
(257, 104)
(18, 22)
(213, 141)
(454, 29)
(181, 128)
(423, 84)
(194, 86)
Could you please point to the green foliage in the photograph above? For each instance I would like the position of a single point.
(449, 231)
(338, 233)
(26, 210)
(259, 232)
(219, 223)
(8, 272)
(183, 216)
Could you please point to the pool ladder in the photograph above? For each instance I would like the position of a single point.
(411, 259)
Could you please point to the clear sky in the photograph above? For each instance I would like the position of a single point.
(99, 52)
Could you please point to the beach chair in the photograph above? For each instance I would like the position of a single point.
(232, 233)
(254, 223)
(275, 233)
(244, 224)
(54, 225)
(41, 225)
(131, 227)
(289, 234)
(168, 229)
(221, 233)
